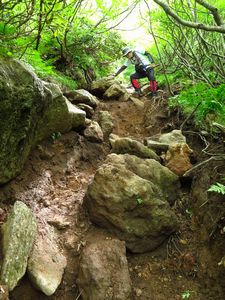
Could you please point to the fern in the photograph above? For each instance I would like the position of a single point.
(217, 188)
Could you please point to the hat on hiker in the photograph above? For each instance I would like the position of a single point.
(126, 50)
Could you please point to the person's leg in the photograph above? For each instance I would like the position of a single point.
(152, 81)
(140, 73)
(134, 80)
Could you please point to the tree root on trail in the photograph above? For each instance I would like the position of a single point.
(193, 170)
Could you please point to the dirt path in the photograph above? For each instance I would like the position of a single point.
(53, 184)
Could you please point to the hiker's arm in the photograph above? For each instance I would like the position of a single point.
(149, 57)
(120, 70)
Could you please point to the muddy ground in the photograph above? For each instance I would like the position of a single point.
(53, 184)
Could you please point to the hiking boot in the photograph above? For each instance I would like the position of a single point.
(154, 94)
(138, 93)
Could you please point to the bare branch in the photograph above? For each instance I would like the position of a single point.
(214, 11)
(213, 158)
(170, 12)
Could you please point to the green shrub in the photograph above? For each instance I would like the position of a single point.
(212, 103)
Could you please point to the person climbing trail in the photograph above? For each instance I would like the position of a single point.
(144, 67)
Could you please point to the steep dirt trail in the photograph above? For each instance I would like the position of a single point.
(53, 184)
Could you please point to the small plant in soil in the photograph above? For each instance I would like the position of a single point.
(217, 188)
(139, 200)
(186, 294)
(188, 211)
(55, 136)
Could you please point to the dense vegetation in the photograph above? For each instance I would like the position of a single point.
(76, 41)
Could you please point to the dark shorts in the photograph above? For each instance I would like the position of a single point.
(142, 73)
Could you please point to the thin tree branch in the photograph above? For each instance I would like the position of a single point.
(170, 12)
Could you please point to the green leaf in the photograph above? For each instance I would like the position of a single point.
(217, 188)
(185, 295)
(139, 201)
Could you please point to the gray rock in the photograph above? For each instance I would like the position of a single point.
(114, 91)
(94, 133)
(104, 271)
(157, 146)
(124, 97)
(172, 137)
(129, 197)
(106, 122)
(127, 145)
(137, 102)
(82, 96)
(99, 86)
(54, 89)
(30, 110)
(152, 171)
(161, 142)
(46, 264)
(18, 236)
(88, 109)
(76, 115)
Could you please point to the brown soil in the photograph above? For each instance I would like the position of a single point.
(54, 181)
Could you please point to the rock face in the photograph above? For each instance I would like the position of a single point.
(46, 264)
(18, 236)
(130, 146)
(129, 196)
(30, 110)
(104, 272)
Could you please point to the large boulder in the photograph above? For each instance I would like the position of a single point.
(30, 110)
(104, 271)
(130, 197)
(18, 235)
(122, 145)
(46, 264)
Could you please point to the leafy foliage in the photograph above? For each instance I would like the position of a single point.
(69, 36)
(186, 294)
(212, 102)
(217, 188)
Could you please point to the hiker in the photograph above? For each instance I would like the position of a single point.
(143, 66)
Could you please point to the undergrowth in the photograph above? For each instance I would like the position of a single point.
(46, 71)
(212, 103)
